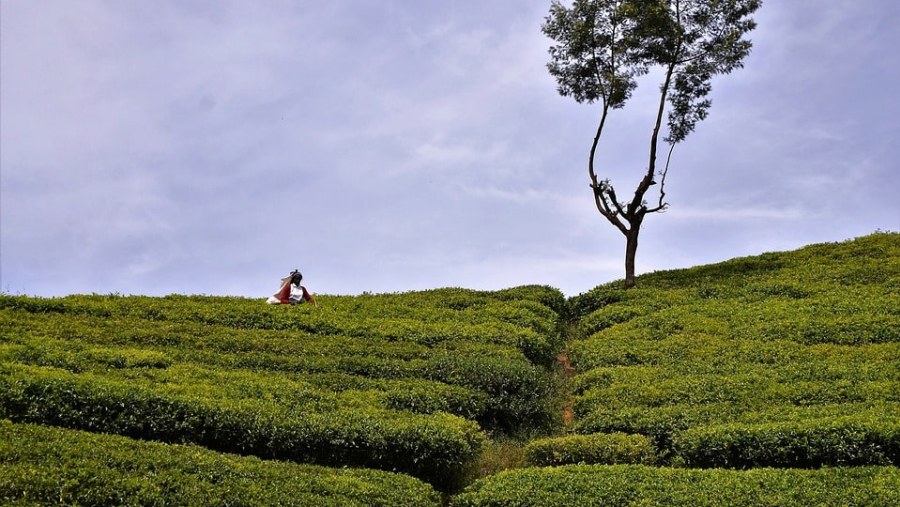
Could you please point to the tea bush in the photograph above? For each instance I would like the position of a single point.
(625, 485)
(849, 440)
(734, 364)
(321, 429)
(420, 317)
(372, 380)
(466, 350)
(51, 466)
(593, 449)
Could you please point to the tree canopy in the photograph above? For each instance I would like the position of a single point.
(603, 46)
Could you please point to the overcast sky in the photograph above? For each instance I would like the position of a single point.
(209, 147)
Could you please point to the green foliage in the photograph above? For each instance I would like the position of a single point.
(51, 466)
(417, 317)
(593, 449)
(498, 454)
(805, 368)
(477, 341)
(545, 296)
(520, 395)
(609, 316)
(625, 485)
(396, 381)
(296, 425)
(849, 440)
(691, 426)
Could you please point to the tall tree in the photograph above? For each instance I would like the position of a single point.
(603, 46)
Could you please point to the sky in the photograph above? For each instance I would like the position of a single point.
(210, 147)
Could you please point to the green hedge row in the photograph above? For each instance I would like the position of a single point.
(420, 317)
(865, 261)
(190, 341)
(192, 337)
(593, 449)
(357, 381)
(51, 466)
(630, 485)
(517, 390)
(250, 315)
(836, 293)
(417, 394)
(781, 436)
(785, 346)
(498, 389)
(664, 422)
(846, 441)
(834, 317)
(438, 304)
(751, 390)
(698, 353)
(549, 297)
(434, 447)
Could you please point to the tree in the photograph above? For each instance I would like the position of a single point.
(603, 46)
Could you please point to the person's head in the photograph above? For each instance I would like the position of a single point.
(296, 277)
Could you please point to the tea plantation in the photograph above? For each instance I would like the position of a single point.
(767, 380)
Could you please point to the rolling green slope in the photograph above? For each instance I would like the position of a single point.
(787, 360)
(766, 380)
(399, 382)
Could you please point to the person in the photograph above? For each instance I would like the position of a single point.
(291, 292)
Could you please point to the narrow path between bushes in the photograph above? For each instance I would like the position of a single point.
(568, 373)
(569, 334)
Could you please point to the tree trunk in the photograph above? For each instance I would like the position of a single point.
(631, 244)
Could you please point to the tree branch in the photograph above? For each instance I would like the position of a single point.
(616, 203)
(662, 183)
(591, 172)
(647, 180)
(602, 201)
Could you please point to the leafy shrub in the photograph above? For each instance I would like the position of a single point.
(430, 397)
(434, 447)
(851, 440)
(584, 304)
(781, 290)
(520, 395)
(497, 387)
(769, 343)
(605, 317)
(697, 427)
(502, 389)
(51, 466)
(487, 317)
(549, 297)
(593, 449)
(623, 485)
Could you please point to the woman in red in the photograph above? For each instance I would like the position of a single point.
(291, 292)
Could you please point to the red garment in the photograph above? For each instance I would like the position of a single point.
(284, 294)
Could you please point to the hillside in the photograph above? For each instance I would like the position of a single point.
(772, 379)
(783, 368)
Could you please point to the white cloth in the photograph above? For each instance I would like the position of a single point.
(296, 294)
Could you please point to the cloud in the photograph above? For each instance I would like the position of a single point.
(728, 214)
(192, 147)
